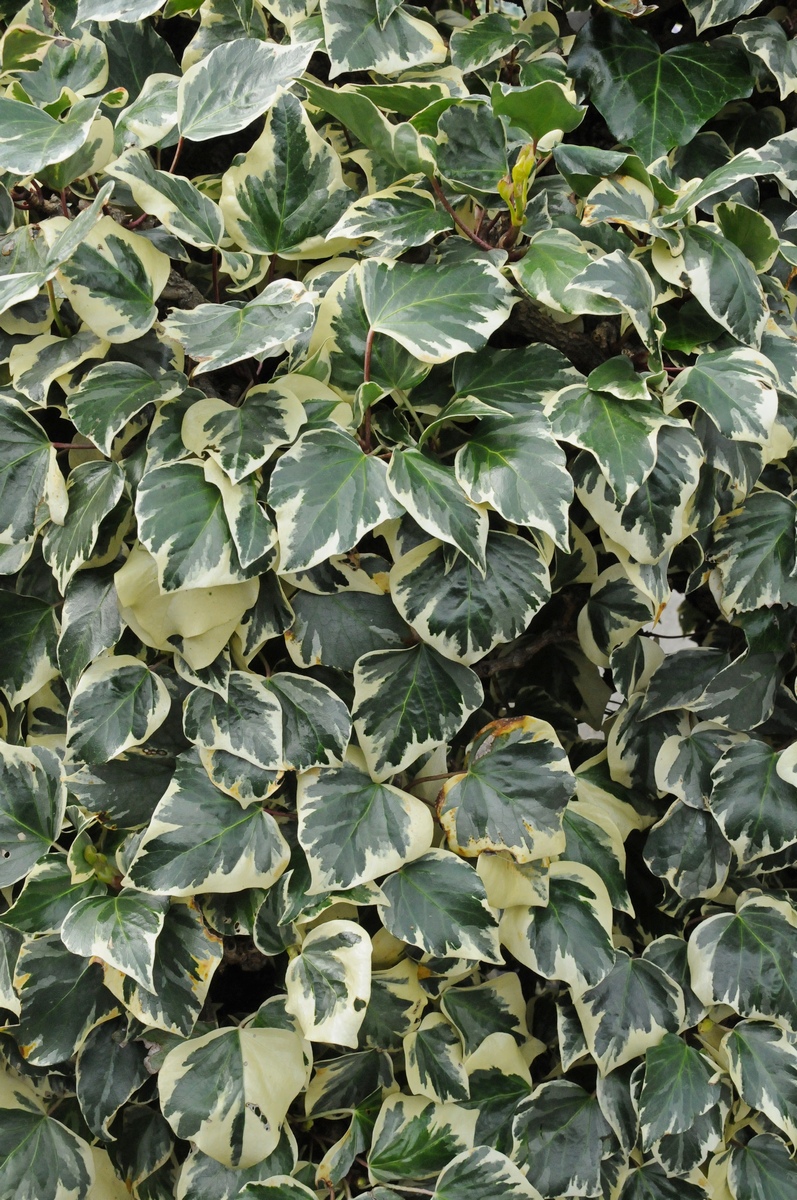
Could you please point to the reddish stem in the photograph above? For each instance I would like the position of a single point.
(214, 261)
(64, 205)
(72, 446)
(177, 152)
(474, 237)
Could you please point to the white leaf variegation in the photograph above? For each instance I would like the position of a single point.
(329, 983)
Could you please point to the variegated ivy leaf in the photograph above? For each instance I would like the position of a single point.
(629, 1011)
(36, 364)
(754, 805)
(397, 218)
(112, 394)
(755, 552)
(481, 41)
(246, 722)
(407, 702)
(435, 311)
(47, 896)
(335, 630)
(175, 201)
(30, 630)
(594, 839)
(109, 1069)
(765, 38)
(354, 830)
(512, 796)
(434, 1061)
(187, 955)
(33, 139)
(31, 484)
(559, 1134)
(216, 335)
(121, 930)
(241, 439)
(570, 937)
(684, 763)
(688, 849)
(722, 279)
(357, 40)
(199, 550)
(706, 13)
(151, 117)
(93, 490)
(742, 959)
(32, 808)
(201, 840)
(620, 434)
(316, 725)
(414, 1138)
(680, 1086)
(329, 983)
(202, 1175)
(283, 196)
(234, 84)
(483, 1172)
(38, 1152)
(62, 997)
(115, 10)
(651, 1180)
(277, 1187)
(762, 1060)
(112, 280)
(762, 1169)
(655, 519)
(438, 903)
(430, 493)
(461, 613)
(553, 259)
(615, 283)
(495, 1006)
(327, 493)
(472, 147)
(514, 381)
(118, 703)
(230, 1090)
(396, 1006)
(615, 611)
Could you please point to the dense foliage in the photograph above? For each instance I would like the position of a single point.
(373, 378)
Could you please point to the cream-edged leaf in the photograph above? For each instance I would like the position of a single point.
(175, 201)
(414, 1138)
(120, 930)
(118, 703)
(329, 983)
(32, 808)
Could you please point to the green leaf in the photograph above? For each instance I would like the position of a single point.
(724, 282)
(461, 613)
(93, 490)
(538, 109)
(354, 830)
(32, 808)
(40, 1156)
(62, 997)
(740, 959)
(751, 231)
(327, 493)
(109, 1069)
(483, 1172)
(200, 840)
(481, 42)
(438, 903)
(514, 381)
(286, 193)
(335, 630)
(357, 39)
(32, 139)
(650, 1182)
(755, 552)
(570, 937)
(202, 1178)
(414, 1138)
(29, 476)
(407, 702)
(559, 1135)
(120, 930)
(29, 630)
(430, 493)
(629, 1012)
(762, 1170)
(217, 335)
(261, 1071)
(234, 84)
(679, 1087)
(688, 849)
(118, 703)
(90, 622)
(179, 206)
(278, 1187)
(435, 311)
(513, 794)
(650, 100)
(472, 151)
(329, 983)
(515, 465)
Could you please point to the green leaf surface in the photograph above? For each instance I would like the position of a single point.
(118, 703)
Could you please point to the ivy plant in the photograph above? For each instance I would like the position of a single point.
(398, 595)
